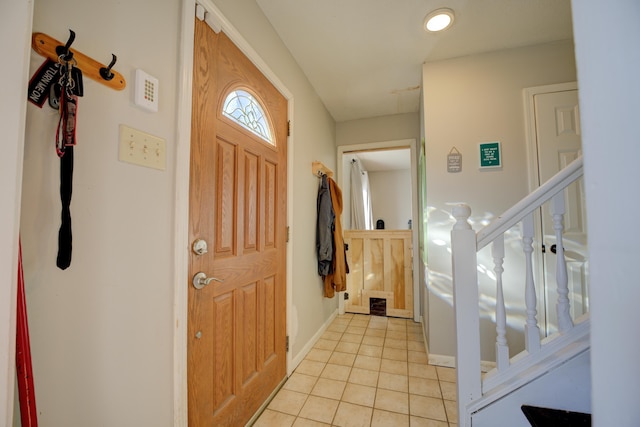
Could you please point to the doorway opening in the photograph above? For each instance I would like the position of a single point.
(391, 167)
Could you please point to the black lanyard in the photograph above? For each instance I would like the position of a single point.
(65, 141)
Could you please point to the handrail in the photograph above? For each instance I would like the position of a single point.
(533, 201)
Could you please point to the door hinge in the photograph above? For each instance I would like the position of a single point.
(287, 343)
(288, 127)
(288, 233)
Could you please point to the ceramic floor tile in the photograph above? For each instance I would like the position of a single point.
(386, 419)
(319, 409)
(359, 394)
(396, 335)
(367, 362)
(303, 422)
(425, 422)
(344, 359)
(336, 372)
(318, 355)
(351, 338)
(446, 374)
(366, 371)
(393, 366)
(417, 357)
(452, 410)
(411, 336)
(287, 401)
(337, 327)
(331, 335)
(347, 347)
(372, 340)
(422, 371)
(378, 325)
(349, 415)
(300, 382)
(356, 330)
(416, 346)
(271, 418)
(373, 332)
(363, 323)
(370, 350)
(310, 367)
(325, 344)
(425, 387)
(427, 407)
(395, 343)
(449, 390)
(394, 354)
(393, 401)
(364, 377)
(395, 382)
(331, 389)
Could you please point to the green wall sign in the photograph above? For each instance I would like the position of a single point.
(490, 156)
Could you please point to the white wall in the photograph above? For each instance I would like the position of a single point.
(101, 331)
(391, 198)
(608, 62)
(15, 31)
(470, 100)
(375, 129)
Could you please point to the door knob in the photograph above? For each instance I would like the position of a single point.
(200, 280)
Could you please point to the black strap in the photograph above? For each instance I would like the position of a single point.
(66, 186)
(65, 140)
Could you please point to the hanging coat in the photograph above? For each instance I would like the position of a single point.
(324, 229)
(337, 279)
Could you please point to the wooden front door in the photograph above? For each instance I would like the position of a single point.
(236, 322)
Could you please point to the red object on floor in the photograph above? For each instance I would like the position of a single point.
(26, 393)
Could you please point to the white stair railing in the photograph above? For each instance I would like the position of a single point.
(465, 244)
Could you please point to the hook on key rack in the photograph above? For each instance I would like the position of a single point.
(105, 72)
(64, 52)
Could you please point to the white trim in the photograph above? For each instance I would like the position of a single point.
(181, 231)
(16, 23)
(411, 143)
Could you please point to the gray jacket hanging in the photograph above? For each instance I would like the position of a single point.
(324, 229)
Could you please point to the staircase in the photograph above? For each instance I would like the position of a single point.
(551, 371)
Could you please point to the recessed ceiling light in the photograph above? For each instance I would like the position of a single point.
(438, 20)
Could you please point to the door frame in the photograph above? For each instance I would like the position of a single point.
(402, 143)
(533, 179)
(183, 153)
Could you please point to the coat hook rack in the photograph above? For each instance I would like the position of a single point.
(51, 48)
(319, 169)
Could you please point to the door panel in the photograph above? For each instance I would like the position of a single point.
(380, 266)
(236, 324)
(558, 135)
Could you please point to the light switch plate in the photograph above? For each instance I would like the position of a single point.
(141, 148)
(146, 91)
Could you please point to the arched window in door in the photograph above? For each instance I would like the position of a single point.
(245, 109)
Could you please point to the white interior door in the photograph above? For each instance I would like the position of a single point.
(557, 120)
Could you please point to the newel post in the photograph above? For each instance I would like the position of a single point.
(466, 307)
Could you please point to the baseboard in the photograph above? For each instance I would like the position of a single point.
(295, 361)
(450, 362)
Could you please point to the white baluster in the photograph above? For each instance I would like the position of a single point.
(531, 329)
(502, 348)
(563, 305)
(466, 306)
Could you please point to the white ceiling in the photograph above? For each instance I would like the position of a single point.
(364, 57)
(384, 160)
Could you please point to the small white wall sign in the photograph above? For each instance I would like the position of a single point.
(454, 161)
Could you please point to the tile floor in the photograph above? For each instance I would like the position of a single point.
(366, 371)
